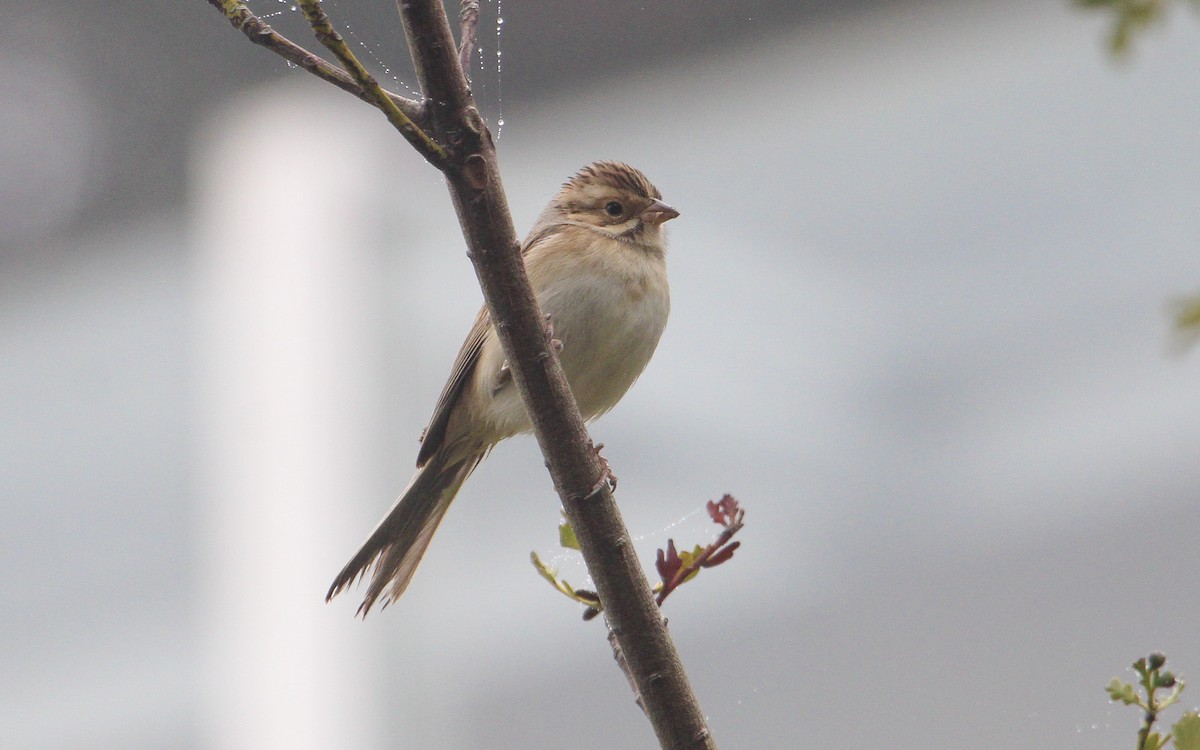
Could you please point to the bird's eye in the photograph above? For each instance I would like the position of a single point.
(613, 208)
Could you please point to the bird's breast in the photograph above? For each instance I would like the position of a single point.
(609, 318)
(608, 304)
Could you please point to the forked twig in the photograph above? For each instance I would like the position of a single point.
(328, 36)
(676, 569)
(469, 18)
(259, 32)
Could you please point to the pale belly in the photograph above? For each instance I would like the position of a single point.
(608, 332)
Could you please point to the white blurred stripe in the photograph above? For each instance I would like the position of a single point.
(285, 390)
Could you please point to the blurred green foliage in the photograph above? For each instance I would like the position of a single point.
(1186, 313)
(1130, 16)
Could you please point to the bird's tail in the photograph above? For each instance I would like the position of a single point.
(401, 538)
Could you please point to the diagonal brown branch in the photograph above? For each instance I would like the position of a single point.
(323, 29)
(259, 32)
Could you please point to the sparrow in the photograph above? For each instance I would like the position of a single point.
(596, 261)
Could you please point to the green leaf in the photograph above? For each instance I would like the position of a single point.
(1186, 313)
(690, 557)
(1122, 691)
(566, 536)
(567, 590)
(1187, 732)
(544, 570)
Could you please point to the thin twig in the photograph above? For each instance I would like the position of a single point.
(259, 32)
(323, 29)
(469, 18)
(698, 562)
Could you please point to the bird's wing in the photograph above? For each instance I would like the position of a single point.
(464, 364)
(460, 375)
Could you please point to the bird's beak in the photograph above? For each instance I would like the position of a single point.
(658, 212)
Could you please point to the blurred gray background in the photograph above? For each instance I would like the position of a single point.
(919, 284)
